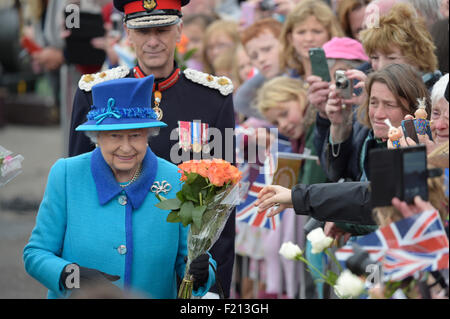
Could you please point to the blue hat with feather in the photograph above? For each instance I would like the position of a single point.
(121, 104)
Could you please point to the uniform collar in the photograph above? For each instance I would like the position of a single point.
(160, 84)
(107, 186)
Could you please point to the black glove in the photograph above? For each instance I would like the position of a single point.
(88, 277)
(200, 270)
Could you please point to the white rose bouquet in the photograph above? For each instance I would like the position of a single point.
(346, 285)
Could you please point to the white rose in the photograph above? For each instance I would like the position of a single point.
(318, 240)
(289, 250)
(348, 285)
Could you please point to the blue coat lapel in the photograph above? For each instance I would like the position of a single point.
(107, 186)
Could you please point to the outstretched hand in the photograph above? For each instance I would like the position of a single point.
(274, 195)
(331, 230)
(408, 210)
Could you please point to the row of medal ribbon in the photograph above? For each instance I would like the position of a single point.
(193, 136)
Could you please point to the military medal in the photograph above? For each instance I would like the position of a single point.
(184, 135)
(196, 136)
(158, 87)
(158, 111)
(205, 144)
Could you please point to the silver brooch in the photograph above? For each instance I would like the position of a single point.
(163, 187)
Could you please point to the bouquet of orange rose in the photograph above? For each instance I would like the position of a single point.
(209, 193)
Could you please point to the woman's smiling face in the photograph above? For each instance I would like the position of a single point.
(123, 150)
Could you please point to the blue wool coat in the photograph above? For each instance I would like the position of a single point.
(85, 216)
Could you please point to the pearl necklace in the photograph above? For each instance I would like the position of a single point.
(137, 173)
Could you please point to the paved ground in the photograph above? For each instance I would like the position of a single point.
(41, 147)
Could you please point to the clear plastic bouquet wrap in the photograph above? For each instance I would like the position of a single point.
(10, 166)
(209, 194)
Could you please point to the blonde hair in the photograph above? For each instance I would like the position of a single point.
(404, 29)
(237, 81)
(230, 28)
(284, 89)
(224, 62)
(302, 11)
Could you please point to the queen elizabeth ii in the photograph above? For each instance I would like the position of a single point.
(98, 222)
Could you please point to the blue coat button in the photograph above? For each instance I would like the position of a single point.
(122, 249)
(122, 200)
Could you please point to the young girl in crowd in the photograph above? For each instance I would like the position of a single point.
(194, 27)
(309, 25)
(221, 35)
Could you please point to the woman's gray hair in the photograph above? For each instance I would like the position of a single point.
(438, 90)
(93, 135)
(428, 9)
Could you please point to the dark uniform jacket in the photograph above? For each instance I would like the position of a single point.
(183, 101)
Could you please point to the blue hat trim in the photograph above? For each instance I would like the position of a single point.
(131, 112)
(124, 115)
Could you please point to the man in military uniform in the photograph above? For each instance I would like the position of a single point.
(154, 27)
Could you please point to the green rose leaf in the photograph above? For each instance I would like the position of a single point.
(186, 213)
(169, 204)
(180, 196)
(197, 215)
(189, 193)
(173, 217)
(191, 177)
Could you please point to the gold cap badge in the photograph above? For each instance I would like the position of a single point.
(149, 5)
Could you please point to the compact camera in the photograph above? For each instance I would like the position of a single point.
(344, 86)
(267, 5)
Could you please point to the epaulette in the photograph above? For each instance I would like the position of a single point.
(221, 83)
(87, 81)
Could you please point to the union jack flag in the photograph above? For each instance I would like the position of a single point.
(417, 243)
(251, 173)
(247, 213)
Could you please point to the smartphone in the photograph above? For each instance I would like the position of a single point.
(400, 173)
(409, 130)
(247, 14)
(415, 173)
(319, 64)
(116, 22)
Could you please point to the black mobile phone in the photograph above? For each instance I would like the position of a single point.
(409, 130)
(319, 64)
(415, 173)
(400, 173)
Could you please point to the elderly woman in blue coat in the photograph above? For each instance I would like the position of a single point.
(98, 222)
